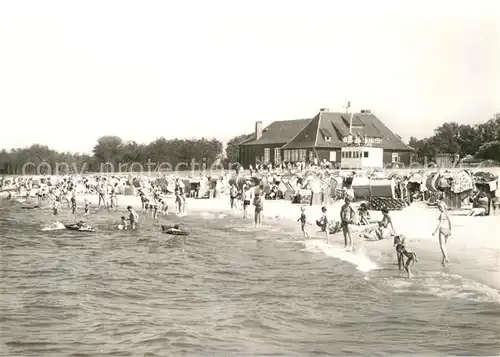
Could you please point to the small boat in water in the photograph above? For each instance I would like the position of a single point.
(174, 230)
(81, 227)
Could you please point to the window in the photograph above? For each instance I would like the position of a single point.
(311, 156)
(345, 139)
(365, 154)
(302, 155)
(333, 156)
(378, 140)
(277, 156)
(349, 154)
(295, 155)
(267, 155)
(395, 157)
(328, 138)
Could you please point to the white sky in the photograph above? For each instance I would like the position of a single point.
(71, 71)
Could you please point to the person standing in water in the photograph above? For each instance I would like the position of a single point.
(303, 221)
(444, 229)
(347, 217)
(233, 194)
(57, 206)
(133, 217)
(258, 202)
(246, 196)
(86, 207)
(325, 223)
(123, 223)
(73, 201)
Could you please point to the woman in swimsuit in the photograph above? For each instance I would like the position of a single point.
(444, 229)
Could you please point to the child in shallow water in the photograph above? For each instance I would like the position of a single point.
(57, 206)
(325, 224)
(401, 251)
(123, 223)
(87, 207)
(303, 221)
(259, 206)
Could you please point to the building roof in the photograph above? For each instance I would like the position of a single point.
(278, 132)
(328, 129)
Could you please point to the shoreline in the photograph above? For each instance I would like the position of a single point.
(472, 249)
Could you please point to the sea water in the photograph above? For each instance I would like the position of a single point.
(219, 292)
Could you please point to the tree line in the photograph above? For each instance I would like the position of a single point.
(481, 141)
(112, 153)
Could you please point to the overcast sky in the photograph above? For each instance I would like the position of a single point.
(71, 71)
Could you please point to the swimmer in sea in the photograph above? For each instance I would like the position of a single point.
(399, 243)
(133, 217)
(303, 221)
(444, 229)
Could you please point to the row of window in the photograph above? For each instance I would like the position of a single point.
(365, 154)
(295, 155)
(354, 154)
(301, 155)
(288, 155)
(368, 140)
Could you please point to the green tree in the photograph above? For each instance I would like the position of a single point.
(233, 149)
(108, 149)
(489, 151)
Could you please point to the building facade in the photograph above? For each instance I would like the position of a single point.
(323, 137)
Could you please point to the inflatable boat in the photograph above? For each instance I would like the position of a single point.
(30, 207)
(80, 227)
(174, 230)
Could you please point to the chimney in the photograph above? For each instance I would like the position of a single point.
(324, 110)
(366, 111)
(258, 130)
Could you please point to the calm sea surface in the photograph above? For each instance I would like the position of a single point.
(220, 292)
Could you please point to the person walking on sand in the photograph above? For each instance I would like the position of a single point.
(444, 229)
(258, 202)
(347, 217)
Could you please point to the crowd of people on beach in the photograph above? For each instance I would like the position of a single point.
(353, 222)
